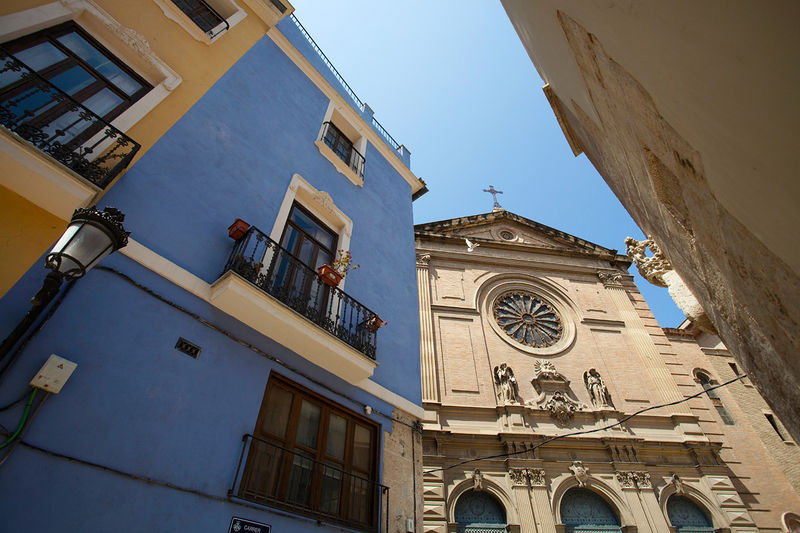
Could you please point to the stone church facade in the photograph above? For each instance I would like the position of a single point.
(530, 334)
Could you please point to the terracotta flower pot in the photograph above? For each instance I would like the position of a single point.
(329, 276)
(237, 230)
(374, 323)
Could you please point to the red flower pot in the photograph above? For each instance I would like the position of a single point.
(329, 276)
(374, 323)
(237, 230)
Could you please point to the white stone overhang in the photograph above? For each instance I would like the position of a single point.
(239, 298)
(43, 181)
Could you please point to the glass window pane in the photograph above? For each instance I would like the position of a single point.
(304, 222)
(73, 80)
(362, 448)
(102, 102)
(277, 417)
(100, 62)
(41, 56)
(337, 436)
(331, 491)
(298, 489)
(308, 425)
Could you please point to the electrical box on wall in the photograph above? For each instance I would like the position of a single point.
(52, 376)
(409, 525)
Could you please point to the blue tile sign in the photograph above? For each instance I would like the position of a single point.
(240, 525)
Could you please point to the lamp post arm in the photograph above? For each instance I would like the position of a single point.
(39, 302)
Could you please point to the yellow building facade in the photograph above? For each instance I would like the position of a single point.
(169, 53)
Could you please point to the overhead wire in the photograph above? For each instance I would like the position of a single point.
(586, 431)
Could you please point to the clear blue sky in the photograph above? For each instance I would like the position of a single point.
(452, 81)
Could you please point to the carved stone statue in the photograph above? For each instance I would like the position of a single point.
(477, 480)
(651, 268)
(676, 481)
(581, 472)
(504, 378)
(597, 389)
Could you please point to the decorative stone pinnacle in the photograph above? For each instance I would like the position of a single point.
(651, 268)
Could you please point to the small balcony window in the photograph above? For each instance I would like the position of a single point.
(204, 16)
(343, 148)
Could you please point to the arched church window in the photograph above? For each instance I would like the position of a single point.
(584, 510)
(687, 517)
(707, 383)
(479, 512)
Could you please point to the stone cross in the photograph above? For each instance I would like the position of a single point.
(491, 190)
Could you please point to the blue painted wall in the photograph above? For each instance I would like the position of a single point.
(137, 405)
(234, 154)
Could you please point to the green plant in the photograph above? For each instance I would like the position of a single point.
(343, 262)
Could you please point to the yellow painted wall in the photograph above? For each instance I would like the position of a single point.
(26, 231)
(199, 64)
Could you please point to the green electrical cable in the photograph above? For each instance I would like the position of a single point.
(22, 421)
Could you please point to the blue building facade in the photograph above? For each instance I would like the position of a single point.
(218, 378)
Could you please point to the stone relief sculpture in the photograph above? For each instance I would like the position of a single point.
(477, 480)
(626, 480)
(597, 389)
(521, 476)
(546, 370)
(580, 472)
(562, 407)
(676, 481)
(507, 383)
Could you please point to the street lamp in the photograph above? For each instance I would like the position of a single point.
(90, 236)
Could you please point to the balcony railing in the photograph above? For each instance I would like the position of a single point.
(271, 475)
(343, 148)
(59, 126)
(206, 17)
(359, 104)
(274, 270)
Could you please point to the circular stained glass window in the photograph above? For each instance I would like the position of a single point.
(528, 319)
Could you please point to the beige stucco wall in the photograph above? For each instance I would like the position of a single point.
(726, 469)
(688, 112)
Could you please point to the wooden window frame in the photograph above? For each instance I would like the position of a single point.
(289, 442)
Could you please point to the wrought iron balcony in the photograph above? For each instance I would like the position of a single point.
(61, 127)
(271, 475)
(274, 270)
(203, 15)
(343, 148)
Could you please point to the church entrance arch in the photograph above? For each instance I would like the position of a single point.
(687, 517)
(479, 512)
(584, 511)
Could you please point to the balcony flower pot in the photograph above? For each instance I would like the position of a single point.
(329, 275)
(374, 323)
(237, 230)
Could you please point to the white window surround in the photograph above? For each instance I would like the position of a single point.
(228, 9)
(321, 205)
(352, 132)
(126, 44)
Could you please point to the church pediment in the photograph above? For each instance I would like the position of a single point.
(505, 227)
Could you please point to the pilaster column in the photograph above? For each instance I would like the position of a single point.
(642, 342)
(430, 388)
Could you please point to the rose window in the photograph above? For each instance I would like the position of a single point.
(528, 319)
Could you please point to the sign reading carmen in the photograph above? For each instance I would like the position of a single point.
(240, 525)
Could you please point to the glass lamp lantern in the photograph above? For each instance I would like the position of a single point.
(90, 236)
